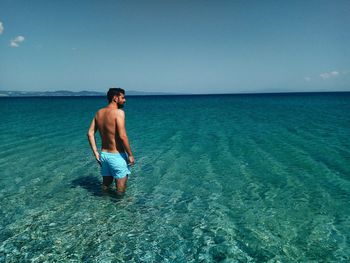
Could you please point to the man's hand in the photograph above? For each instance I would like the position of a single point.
(131, 160)
(97, 156)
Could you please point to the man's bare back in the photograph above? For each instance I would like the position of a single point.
(110, 123)
(106, 121)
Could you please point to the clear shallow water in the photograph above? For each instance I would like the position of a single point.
(251, 178)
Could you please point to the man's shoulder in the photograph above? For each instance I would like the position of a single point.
(117, 111)
(120, 112)
(100, 112)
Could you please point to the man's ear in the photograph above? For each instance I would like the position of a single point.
(115, 98)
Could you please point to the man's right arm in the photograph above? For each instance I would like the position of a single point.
(122, 135)
(91, 137)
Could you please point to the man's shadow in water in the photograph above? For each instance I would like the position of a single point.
(94, 186)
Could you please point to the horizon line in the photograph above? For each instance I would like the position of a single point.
(157, 93)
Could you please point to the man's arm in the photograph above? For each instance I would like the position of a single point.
(91, 137)
(122, 135)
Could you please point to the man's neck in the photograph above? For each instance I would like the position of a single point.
(112, 105)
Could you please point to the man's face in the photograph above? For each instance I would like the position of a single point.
(121, 101)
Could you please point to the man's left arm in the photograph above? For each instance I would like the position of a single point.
(91, 137)
(122, 135)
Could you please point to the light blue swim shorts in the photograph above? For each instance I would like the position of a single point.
(114, 164)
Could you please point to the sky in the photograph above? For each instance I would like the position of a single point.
(181, 46)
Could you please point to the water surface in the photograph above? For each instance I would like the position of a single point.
(245, 178)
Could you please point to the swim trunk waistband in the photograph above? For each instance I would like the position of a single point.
(116, 153)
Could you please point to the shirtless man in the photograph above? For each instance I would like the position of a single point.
(116, 155)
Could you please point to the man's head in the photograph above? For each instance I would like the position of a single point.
(117, 95)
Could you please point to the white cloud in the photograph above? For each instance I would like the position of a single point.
(328, 75)
(15, 42)
(1, 28)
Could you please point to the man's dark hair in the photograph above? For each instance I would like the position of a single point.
(114, 92)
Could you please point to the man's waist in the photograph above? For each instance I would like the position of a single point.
(112, 152)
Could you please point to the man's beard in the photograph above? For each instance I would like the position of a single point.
(120, 106)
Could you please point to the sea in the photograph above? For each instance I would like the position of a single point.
(217, 178)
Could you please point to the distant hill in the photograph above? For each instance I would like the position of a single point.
(64, 93)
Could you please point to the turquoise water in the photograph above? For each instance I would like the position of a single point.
(249, 178)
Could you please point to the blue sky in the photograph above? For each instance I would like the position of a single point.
(175, 46)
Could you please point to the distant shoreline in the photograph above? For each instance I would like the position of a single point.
(66, 94)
